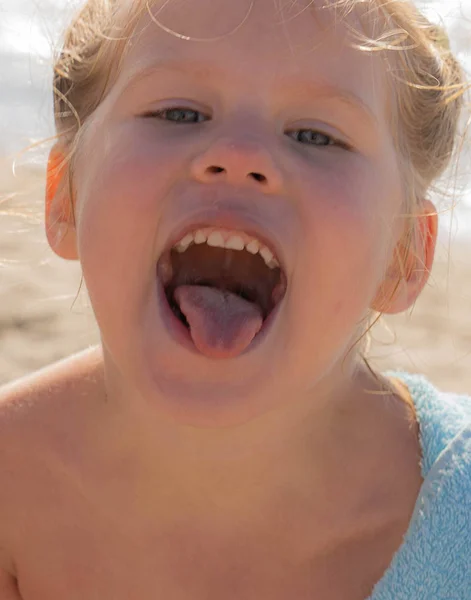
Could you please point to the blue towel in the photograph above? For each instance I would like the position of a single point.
(434, 559)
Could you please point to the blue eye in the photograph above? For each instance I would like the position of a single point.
(314, 138)
(177, 115)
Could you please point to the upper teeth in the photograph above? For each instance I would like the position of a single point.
(221, 238)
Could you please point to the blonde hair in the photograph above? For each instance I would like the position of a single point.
(427, 83)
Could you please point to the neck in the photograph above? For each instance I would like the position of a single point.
(291, 452)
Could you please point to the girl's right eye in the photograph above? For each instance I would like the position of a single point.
(177, 115)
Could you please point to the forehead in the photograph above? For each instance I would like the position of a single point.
(262, 40)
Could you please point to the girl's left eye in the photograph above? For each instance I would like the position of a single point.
(178, 115)
(314, 138)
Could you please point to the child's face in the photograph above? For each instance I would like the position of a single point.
(261, 103)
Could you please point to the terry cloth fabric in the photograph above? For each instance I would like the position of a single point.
(434, 559)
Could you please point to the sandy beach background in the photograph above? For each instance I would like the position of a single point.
(44, 317)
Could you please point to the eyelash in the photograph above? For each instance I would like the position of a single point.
(160, 114)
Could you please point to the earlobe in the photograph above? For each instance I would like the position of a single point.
(411, 267)
(60, 227)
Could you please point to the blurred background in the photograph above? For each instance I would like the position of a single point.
(45, 314)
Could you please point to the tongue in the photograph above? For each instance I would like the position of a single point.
(222, 324)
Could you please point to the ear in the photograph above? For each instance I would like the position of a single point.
(410, 268)
(59, 217)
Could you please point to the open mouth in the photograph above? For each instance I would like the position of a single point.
(223, 286)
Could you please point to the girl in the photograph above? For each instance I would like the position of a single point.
(246, 186)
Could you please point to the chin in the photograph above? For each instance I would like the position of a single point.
(194, 390)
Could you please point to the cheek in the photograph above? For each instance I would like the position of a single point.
(348, 227)
(131, 171)
(120, 195)
(125, 184)
(351, 215)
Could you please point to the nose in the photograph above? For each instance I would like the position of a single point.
(238, 162)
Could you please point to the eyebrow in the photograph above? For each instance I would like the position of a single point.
(301, 88)
(328, 91)
(187, 66)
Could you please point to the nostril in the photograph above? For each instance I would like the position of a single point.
(213, 169)
(259, 177)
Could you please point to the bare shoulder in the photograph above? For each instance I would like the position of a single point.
(42, 417)
(47, 383)
(36, 406)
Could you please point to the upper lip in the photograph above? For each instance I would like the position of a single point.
(231, 220)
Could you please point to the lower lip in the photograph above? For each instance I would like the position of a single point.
(182, 335)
